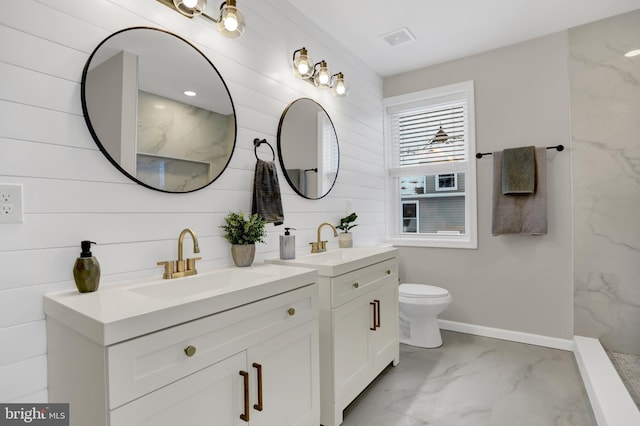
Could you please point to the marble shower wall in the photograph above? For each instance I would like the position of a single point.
(605, 128)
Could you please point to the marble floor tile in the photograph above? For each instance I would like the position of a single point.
(475, 381)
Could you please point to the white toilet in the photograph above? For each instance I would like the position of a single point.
(420, 305)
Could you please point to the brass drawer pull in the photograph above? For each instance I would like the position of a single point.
(377, 302)
(375, 316)
(388, 271)
(245, 415)
(190, 350)
(291, 311)
(258, 367)
(356, 285)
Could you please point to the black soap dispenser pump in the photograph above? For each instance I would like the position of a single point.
(86, 270)
(287, 245)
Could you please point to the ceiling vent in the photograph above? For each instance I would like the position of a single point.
(397, 37)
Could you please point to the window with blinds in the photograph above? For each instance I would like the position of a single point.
(431, 135)
(430, 140)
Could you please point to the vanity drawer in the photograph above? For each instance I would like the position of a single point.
(348, 286)
(142, 365)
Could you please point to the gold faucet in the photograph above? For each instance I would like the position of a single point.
(319, 245)
(182, 267)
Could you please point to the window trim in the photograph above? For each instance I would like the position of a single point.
(394, 234)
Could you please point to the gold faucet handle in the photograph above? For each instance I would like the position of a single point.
(191, 263)
(314, 248)
(168, 268)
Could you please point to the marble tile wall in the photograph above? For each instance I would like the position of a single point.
(605, 128)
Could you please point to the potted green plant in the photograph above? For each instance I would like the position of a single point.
(243, 232)
(345, 238)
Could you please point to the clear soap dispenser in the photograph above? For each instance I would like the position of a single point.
(287, 245)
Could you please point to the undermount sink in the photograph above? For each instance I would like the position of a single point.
(338, 261)
(193, 286)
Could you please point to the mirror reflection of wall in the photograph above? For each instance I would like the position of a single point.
(159, 110)
(182, 134)
(308, 148)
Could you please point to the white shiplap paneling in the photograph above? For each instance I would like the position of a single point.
(71, 192)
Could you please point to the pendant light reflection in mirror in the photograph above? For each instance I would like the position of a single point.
(228, 19)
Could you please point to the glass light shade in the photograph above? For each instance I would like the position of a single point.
(302, 64)
(190, 8)
(322, 76)
(338, 87)
(231, 21)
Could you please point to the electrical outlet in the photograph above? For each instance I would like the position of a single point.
(11, 203)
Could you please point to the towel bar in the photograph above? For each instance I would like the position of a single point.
(558, 147)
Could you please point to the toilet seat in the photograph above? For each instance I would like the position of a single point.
(422, 291)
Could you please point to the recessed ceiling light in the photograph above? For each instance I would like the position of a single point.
(397, 37)
(189, 93)
(632, 53)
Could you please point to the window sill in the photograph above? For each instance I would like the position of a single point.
(433, 242)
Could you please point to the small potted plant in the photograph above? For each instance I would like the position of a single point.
(243, 233)
(345, 239)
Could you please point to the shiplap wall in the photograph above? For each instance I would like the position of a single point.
(71, 192)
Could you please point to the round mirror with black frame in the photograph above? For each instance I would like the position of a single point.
(158, 109)
(308, 148)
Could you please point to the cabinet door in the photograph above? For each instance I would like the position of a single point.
(352, 323)
(214, 395)
(285, 378)
(384, 340)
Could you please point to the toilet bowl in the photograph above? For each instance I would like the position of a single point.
(419, 306)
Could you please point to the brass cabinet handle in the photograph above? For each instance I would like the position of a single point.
(291, 311)
(190, 350)
(377, 302)
(388, 271)
(375, 321)
(245, 416)
(258, 367)
(356, 285)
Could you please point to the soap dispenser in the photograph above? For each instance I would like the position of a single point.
(86, 270)
(287, 245)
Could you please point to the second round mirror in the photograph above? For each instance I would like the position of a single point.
(308, 148)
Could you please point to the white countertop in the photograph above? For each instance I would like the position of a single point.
(128, 309)
(334, 262)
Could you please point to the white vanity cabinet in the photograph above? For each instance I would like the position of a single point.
(358, 333)
(256, 364)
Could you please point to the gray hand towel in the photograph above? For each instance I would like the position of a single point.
(520, 213)
(518, 170)
(266, 200)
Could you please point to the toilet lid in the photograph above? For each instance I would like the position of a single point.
(422, 290)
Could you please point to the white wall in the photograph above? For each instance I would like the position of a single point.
(513, 282)
(71, 192)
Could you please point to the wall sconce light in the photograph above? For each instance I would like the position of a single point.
(230, 21)
(338, 88)
(317, 74)
(302, 64)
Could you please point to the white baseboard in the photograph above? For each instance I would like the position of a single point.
(514, 336)
(612, 405)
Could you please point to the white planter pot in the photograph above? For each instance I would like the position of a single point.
(345, 240)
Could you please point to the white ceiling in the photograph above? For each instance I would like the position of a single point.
(447, 29)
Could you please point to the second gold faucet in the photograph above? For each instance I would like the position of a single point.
(319, 245)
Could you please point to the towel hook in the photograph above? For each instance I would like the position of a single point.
(257, 142)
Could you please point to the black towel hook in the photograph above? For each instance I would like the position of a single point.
(257, 142)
